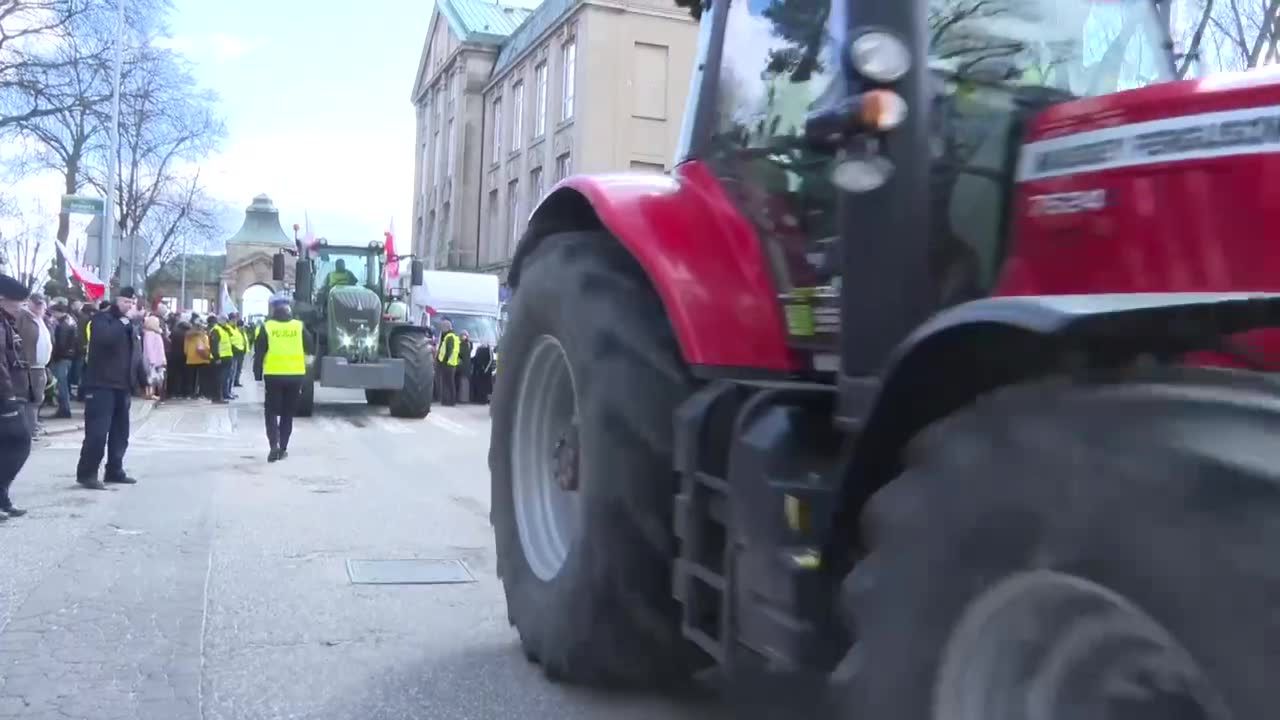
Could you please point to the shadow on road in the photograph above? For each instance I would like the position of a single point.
(495, 681)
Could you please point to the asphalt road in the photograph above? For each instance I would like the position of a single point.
(218, 586)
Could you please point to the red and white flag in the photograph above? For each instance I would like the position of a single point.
(309, 235)
(93, 287)
(393, 261)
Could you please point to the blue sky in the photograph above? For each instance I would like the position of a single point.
(316, 99)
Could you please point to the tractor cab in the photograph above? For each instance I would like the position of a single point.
(882, 391)
(798, 120)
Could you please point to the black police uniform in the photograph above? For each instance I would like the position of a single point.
(15, 432)
(110, 378)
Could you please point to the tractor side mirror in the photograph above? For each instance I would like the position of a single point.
(302, 280)
(277, 267)
(415, 273)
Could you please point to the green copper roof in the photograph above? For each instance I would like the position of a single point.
(261, 225)
(528, 33)
(483, 21)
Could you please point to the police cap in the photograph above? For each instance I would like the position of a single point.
(11, 289)
(280, 299)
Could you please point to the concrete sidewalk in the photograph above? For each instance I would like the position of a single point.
(138, 412)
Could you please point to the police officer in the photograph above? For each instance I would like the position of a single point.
(15, 432)
(239, 346)
(223, 357)
(110, 378)
(448, 357)
(280, 359)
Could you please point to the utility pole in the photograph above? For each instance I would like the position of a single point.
(182, 299)
(109, 206)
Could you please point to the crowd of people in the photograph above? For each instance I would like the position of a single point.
(103, 354)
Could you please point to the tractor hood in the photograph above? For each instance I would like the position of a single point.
(354, 313)
(1170, 188)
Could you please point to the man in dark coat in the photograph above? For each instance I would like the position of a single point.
(65, 347)
(15, 432)
(111, 377)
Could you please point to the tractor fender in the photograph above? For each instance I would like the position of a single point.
(393, 329)
(700, 254)
(973, 348)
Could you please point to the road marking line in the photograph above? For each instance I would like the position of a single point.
(449, 425)
(391, 425)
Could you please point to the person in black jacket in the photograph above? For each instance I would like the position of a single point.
(66, 345)
(112, 374)
(15, 431)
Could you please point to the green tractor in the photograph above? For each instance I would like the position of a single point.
(341, 296)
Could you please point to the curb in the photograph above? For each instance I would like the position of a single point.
(136, 418)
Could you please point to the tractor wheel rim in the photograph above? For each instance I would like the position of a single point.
(1049, 646)
(548, 516)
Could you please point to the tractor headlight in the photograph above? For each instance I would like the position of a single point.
(861, 173)
(344, 340)
(880, 56)
(370, 342)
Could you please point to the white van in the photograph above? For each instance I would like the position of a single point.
(470, 300)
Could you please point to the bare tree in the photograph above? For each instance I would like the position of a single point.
(70, 133)
(167, 126)
(25, 246)
(30, 74)
(1232, 34)
(185, 219)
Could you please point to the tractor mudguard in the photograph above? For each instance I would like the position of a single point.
(701, 256)
(970, 349)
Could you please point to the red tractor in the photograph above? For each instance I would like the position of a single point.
(935, 370)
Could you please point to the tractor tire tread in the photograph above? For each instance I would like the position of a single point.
(1162, 484)
(413, 400)
(613, 621)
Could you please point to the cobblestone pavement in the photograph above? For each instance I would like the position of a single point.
(217, 587)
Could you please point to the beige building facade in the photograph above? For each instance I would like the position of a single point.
(512, 99)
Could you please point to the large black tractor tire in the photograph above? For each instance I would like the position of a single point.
(307, 400)
(413, 400)
(377, 397)
(607, 616)
(1073, 527)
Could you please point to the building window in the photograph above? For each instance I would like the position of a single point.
(497, 129)
(564, 166)
(647, 167)
(569, 56)
(535, 187)
(449, 150)
(517, 115)
(513, 212)
(438, 153)
(540, 109)
(494, 226)
(426, 167)
(443, 247)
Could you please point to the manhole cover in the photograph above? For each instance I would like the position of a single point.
(408, 572)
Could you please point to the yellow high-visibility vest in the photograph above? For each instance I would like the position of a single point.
(452, 360)
(237, 338)
(224, 341)
(285, 353)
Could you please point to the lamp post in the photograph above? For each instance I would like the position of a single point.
(182, 293)
(109, 206)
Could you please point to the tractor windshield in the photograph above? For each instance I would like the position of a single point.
(995, 65)
(344, 266)
(1077, 47)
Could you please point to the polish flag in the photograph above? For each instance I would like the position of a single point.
(309, 235)
(93, 287)
(393, 261)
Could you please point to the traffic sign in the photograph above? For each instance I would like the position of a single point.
(82, 204)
